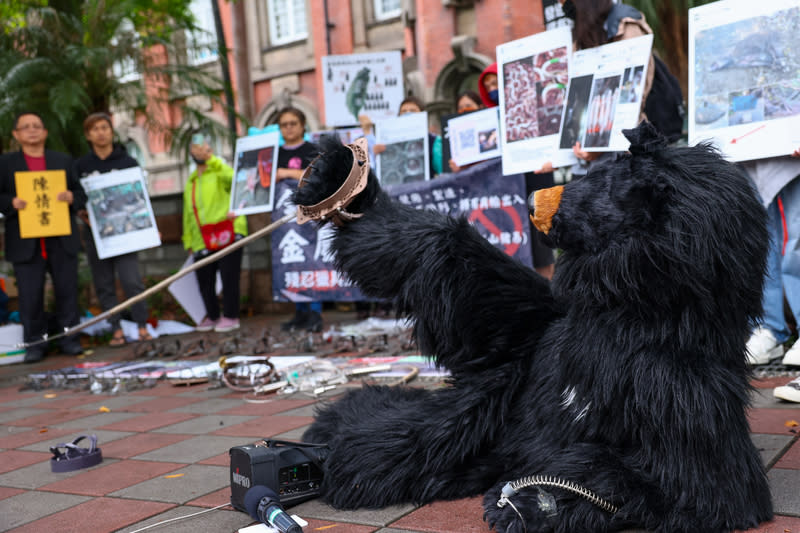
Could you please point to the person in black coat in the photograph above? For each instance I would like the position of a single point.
(33, 257)
(105, 156)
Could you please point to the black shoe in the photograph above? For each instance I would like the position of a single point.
(297, 322)
(71, 347)
(313, 322)
(35, 353)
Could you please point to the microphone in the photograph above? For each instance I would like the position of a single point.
(264, 505)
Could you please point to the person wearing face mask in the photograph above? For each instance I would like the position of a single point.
(488, 86)
(206, 199)
(104, 156)
(467, 102)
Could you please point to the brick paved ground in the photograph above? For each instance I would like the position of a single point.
(165, 455)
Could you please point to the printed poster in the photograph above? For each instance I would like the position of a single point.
(43, 216)
(605, 95)
(406, 155)
(744, 89)
(474, 136)
(355, 84)
(533, 77)
(255, 163)
(120, 215)
(302, 263)
(346, 135)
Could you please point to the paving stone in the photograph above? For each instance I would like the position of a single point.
(103, 437)
(213, 499)
(308, 410)
(29, 506)
(393, 530)
(194, 449)
(205, 407)
(328, 526)
(112, 477)
(141, 443)
(7, 492)
(769, 446)
(36, 475)
(17, 437)
(371, 517)
(287, 407)
(14, 459)
(95, 420)
(28, 401)
(47, 418)
(115, 403)
(197, 480)
(775, 421)
(783, 485)
(791, 459)
(763, 398)
(201, 425)
(70, 400)
(100, 515)
(161, 404)
(265, 426)
(210, 522)
(780, 524)
(149, 422)
(223, 459)
(293, 435)
(205, 391)
(464, 515)
(21, 413)
(162, 389)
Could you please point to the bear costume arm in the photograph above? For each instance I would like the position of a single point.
(472, 305)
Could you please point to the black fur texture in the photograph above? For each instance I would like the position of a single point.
(626, 375)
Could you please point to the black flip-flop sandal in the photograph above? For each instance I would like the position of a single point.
(74, 457)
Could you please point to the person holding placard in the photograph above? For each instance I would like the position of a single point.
(293, 157)
(104, 156)
(412, 104)
(208, 226)
(466, 102)
(31, 253)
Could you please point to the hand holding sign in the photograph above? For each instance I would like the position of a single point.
(43, 212)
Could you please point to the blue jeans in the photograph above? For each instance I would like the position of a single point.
(308, 306)
(783, 269)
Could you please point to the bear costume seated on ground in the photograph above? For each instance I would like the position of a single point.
(626, 376)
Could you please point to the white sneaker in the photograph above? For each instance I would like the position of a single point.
(792, 355)
(763, 347)
(789, 392)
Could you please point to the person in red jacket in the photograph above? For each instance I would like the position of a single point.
(488, 86)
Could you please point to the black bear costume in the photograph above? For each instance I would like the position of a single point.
(622, 385)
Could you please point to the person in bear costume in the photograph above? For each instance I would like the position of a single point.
(616, 394)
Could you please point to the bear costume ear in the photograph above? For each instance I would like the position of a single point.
(645, 139)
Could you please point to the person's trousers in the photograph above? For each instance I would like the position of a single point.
(63, 268)
(103, 272)
(783, 264)
(229, 268)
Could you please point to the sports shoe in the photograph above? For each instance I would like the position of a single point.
(789, 392)
(763, 347)
(226, 324)
(792, 355)
(206, 325)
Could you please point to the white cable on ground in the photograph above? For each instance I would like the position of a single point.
(180, 517)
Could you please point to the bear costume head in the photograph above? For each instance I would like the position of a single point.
(613, 397)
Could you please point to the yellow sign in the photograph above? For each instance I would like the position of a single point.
(44, 215)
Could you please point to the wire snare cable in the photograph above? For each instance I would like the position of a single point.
(513, 487)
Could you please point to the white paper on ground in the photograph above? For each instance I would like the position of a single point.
(187, 293)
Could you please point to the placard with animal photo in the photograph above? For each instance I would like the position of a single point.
(120, 213)
(605, 95)
(355, 84)
(744, 83)
(253, 189)
(405, 156)
(474, 136)
(532, 78)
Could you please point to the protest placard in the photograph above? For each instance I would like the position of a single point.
(744, 84)
(605, 95)
(533, 77)
(302, 263)
(255, 164)
(406, 157)
(44, 215)
(355, 84)
(474, 136)
(120, 214)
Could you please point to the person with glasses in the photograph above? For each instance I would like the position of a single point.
(293, 157)
(33, 257)
(105, 156)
